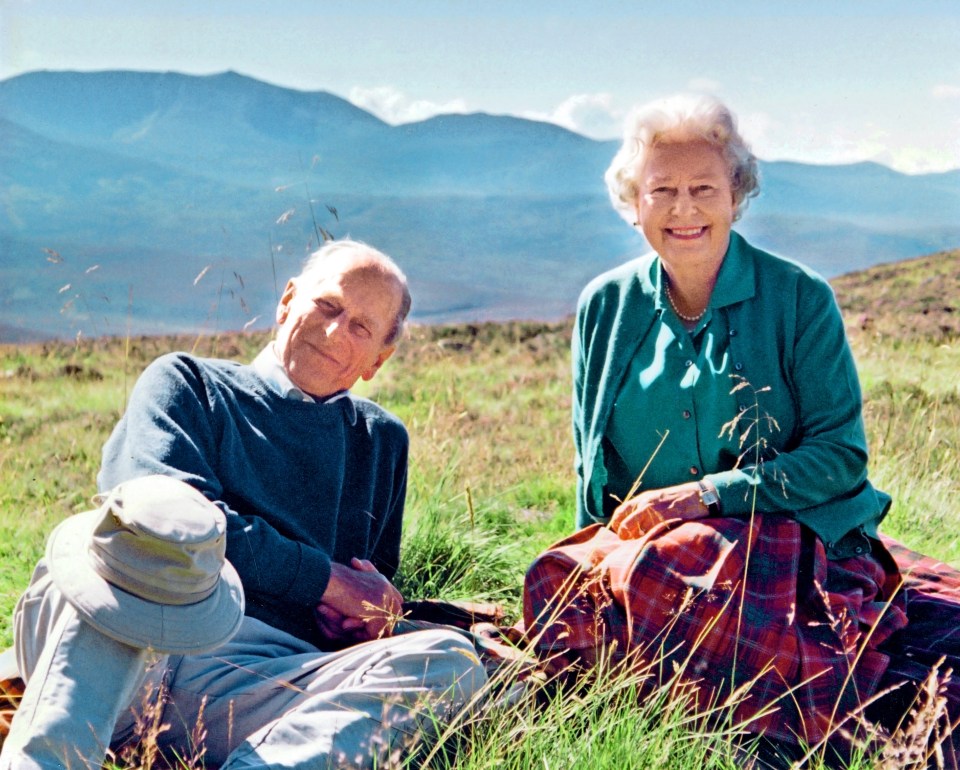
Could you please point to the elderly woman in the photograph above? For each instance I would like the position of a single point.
(718, 434)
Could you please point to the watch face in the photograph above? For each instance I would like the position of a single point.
(707, 495)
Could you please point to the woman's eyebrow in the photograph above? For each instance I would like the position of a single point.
(659, 179)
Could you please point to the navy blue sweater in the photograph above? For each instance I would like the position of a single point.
(301, 483)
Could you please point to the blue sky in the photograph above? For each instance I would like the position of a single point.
(821, 82)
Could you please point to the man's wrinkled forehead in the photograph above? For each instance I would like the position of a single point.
(338, 265)
(354, 269)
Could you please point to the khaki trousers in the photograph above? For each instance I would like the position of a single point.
(267, 699)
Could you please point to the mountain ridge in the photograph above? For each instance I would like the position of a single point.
(154, 177)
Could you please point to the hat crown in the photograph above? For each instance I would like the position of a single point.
(160, 540)
(148, 567)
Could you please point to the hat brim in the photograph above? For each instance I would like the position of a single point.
(172, 629)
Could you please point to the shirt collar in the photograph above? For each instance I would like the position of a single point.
(736, 280)
(267, 364)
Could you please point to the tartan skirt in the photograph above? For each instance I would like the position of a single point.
(748, 616)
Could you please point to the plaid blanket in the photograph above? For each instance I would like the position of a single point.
(930, 643)
(748, 614)
(933, 600)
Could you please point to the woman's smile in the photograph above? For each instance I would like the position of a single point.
(686, 233)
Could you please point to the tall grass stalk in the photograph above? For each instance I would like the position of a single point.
(488, 409)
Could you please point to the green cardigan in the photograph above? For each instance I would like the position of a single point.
(788, 342)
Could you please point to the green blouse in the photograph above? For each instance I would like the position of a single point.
(800, 448)
(691, 375)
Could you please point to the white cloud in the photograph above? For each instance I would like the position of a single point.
(809, 140)
(756, 128)
(704, 86)
(593, 115)
(22, 60)
(946, 91)
(804, 137)
(923, 160)
(395, 107)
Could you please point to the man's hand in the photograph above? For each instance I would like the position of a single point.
(639, 514)
(359, 604)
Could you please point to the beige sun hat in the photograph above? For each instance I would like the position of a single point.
(148, 567)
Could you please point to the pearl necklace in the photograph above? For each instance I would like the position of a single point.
(692, 319)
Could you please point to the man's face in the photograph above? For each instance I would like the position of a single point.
(333, 328)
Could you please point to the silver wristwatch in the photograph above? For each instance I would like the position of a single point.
(709, 498)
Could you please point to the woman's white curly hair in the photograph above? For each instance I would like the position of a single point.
(680, 118)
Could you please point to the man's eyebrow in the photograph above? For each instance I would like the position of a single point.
(364, 319)
(361, 317)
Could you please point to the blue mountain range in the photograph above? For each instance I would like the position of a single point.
(152, 202)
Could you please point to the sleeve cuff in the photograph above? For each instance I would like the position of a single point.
(311, 577)
(735, 489)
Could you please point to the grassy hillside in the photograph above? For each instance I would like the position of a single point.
(491, 480)
(916, 299)
(904, 324)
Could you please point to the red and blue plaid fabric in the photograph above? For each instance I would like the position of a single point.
(931, 640)
(722, 604)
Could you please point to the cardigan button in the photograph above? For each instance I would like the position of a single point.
(688, 363)
(738, 366)
(733, 332)
(686, 414)
(694, 470)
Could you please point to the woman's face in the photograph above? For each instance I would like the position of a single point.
(685, 205)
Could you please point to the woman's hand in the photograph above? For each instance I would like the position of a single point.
(639, 514)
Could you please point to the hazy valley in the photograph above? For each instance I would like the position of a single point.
(159, 202)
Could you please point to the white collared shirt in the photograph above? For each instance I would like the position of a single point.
(268, 365)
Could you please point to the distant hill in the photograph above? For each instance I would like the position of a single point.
(161, 202)
(913, 298)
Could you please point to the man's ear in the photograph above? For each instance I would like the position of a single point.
(283, 306)
(381, 360)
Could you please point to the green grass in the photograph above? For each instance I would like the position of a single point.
(491, 484)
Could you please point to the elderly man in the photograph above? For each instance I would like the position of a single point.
(311, 482)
